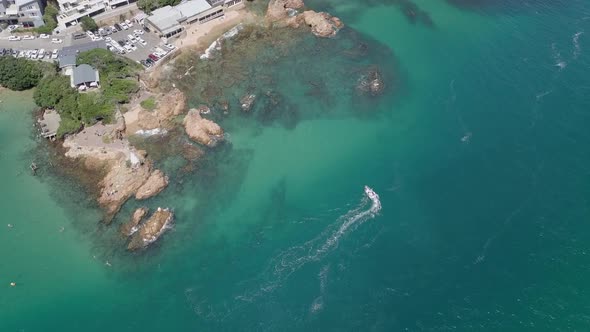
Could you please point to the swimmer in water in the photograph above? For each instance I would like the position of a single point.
(466, 138)
(61, 230)
(107, 263)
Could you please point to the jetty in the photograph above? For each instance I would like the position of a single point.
(49, 124)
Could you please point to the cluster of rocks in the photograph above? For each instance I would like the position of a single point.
(143, 234)
(247, 102)
(170, 104)
(202, 130)
(371, 83)
(286, 13)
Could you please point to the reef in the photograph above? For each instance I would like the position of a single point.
(202, 130)
(151, 229)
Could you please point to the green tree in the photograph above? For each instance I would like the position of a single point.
(88, 24)
(50, 19)
(18, 73)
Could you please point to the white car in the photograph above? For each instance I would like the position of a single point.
(124, 26)
(128, 48)
(56, 41)
(12, 27)
(41, 53)
(108, 39)
(141, 41)
(28, 37)
(43, 36)
(169, 46)
(14, 38)
(90, 33)
(54, 54)
(129, 23)
(138, 32)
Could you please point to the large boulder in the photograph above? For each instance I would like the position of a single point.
(321, 24)
(153, 185)
(151, 230)
(202, 130)
(247, 102)
(279, 9)
(132, 225)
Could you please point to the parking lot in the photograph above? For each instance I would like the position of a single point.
(134, 49)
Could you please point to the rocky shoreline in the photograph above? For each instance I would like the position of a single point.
(129, 173)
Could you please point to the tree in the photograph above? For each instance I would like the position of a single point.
(18, 73)
(88, 24)
(50, 19)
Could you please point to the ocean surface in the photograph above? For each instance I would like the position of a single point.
(478, 149)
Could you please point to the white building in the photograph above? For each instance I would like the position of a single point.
(169, 21)
(71, 11)
(29, 13)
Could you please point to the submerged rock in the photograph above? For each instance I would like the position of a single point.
(153, 185)
(202, 130)
(247, 102)
(151, 230)
(279, 9)
(132, 225)
(371, 83)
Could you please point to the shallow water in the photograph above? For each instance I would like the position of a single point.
(478, 151)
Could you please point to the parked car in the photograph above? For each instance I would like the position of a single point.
(146, 29)
(14, 38)
(153, 57)
(122, 43)
(54, 54)
(124, 26)
(34, 54)
(41, 53)
(56, 41)
(79, 35)
(138, 32)
(90, 33)
(149, 61)
(118, 27)
(141, 41)
(133, 47)
(129, 23)
(43, 36)
(169, 46)
(12, 27)
(128, 48)
(28, 37)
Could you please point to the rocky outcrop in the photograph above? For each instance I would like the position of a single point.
(170, 104)
(202, 130)
(247, 102)
(279, 9)
(284, 13)
(151, 229)
(132, 225)
(321, 24)
(371, 83)
(152, 186)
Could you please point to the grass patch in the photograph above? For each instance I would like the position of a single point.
(149, 104)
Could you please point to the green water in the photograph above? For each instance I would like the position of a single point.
(483, 234)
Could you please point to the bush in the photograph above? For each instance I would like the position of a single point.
(18, 73)
(50, 19)
(119, 90)
(88, 24)
(149, 5)
(149, 104)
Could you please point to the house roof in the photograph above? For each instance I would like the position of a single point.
(193, 7)
(168, 18)
(83, 74)
(67, 60)
(75, 49)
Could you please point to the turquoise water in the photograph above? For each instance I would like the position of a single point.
(486, 233)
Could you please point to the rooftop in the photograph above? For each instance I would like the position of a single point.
(75, 49)
(193, 7)
(83, 74)
(166, 18)
(67, 60)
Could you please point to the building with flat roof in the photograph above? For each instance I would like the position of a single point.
(29, 13)
(169, 21)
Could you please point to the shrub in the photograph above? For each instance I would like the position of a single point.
(88, 23)
(18, 73)
(50, 19)
(149, 104)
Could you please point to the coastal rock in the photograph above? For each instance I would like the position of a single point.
(371, 83)
(202, 130)
(152, 186)
(147, 120)
(279, 9)
(247, 102)
(121, 182)
(132, 225)
(151, 230)
(171, 103)
(321, 24)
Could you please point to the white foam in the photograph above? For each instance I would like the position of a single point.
(576, 41)
(209, 50)
(216, 45)
(151, 132)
